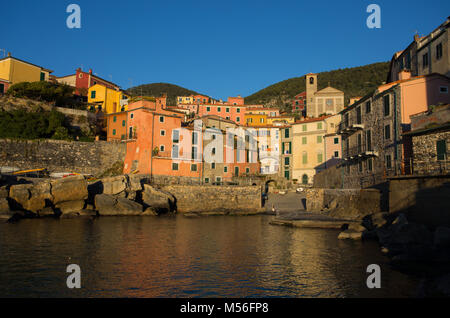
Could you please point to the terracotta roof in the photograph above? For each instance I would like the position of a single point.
(311, 120)
(15, 58)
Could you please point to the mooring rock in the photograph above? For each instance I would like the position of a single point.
(150, 212)
(442, 237)
(403, 233)
(45, 212)
(356, 227)
(70, 206)
(157, 199)
(350, 234)
(107, 204)
(69, 189)
(374, 221)
(134, 183)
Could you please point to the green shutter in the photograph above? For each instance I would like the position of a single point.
(441, 149)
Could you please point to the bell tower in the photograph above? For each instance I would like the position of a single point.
(311, 89)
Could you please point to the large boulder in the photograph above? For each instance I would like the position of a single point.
(70, 206)
(108, 205)
(114, 185)
(30, 197)
(350, 234)
(69, 189)
(157, 199)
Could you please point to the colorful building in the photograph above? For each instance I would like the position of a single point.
(82, 81)
(299, 102)
(106, 99)
(236, 101)
(308, 148)
(14, 70)
(327, 101)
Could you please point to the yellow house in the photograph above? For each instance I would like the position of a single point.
(308, 148)
(15, 71)
(255, 120)
(185, 100)
(108, 100)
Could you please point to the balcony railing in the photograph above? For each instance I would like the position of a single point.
(359, 152)
(350, 125)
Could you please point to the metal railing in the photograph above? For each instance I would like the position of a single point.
(349, 122)
(358, 151)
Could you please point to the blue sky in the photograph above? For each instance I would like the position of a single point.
(219, 48)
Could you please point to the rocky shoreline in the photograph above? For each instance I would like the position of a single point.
(74, 196)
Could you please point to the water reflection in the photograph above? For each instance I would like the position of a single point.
(188, 257)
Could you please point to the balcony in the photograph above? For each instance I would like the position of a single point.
(359, 152)
(350, 125)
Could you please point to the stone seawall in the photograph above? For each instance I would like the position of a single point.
(229, 199)
(61, 156)
(349, 204)
(425, 199)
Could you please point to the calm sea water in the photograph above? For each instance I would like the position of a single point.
(188, 257)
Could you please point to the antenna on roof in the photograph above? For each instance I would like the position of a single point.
(4, 52)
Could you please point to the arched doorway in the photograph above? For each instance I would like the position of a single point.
(305, 179)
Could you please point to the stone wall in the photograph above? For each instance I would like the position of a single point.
(425, 154)
(348, 204)
(232, 199)
(424, 198)
(330, 178)
(61, 156)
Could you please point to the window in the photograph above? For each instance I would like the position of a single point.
(368, 107)
(227, 109)
(304, 140)
(131, 115)
(162, 148)
(247, 170)
(162, 132)
(193, 167)
(206, 180)
(386, 105)
(286, 161)
(42, 76)
(369, 140)
(286, 133)
(114, 132)
(130, 132)
(236, 171)
(304, 128)
(358, 115)
(287, 174)
(439, 51)
(194, 153)
(319, 126)
(336, 140)
(319, 157)
(319, 139)
(93, 93)
(443, 89)
(425, 60)
(261, 120)
(311, 80)
(336, 154)
(218, 109)
(225, 169)
(174, 166)
(194, 138)
(387, 132)
(360, 166)
(304, 158)
(388, 162)
(208, 109)
(213, 165)
(213, 151)
(238, 110)
(370, 164)
(124, 123)
(161, 119)
(114, 119)
(441, 149)
(175, 136)
(238, 119)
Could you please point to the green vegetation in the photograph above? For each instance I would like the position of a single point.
(156, 89)
(61, 95)
(356, 81)
(24, 124)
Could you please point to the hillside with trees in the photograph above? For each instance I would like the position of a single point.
(156, 89)
(356, 81)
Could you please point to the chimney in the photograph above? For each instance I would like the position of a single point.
(404, 75)
(9, 54)
(416, 37)
(90, 71)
